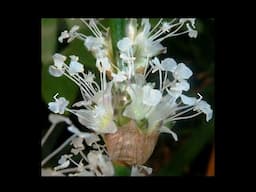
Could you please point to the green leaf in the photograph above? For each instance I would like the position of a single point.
(49, 39)
(189, 150)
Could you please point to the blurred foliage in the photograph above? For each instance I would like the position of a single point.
(188, 156)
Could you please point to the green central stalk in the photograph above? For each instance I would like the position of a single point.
(117, 31)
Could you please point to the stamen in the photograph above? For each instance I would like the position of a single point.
(187, 117)
(46, 159)
(158, 23)
(47, 134)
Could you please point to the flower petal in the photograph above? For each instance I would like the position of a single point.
(75, 67)
(59, 60)
(169, 64)
(205, 108)
(182, 72)
(188, 100)
(124, 44)
(55, 71)
(151, 97)
(167, 130)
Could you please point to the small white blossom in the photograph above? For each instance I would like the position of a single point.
(182, 72)
(64, 35)
(71, 35)
(140, 170)
(75, 66)
(93, 43)
(59, 105)
(188, 100)
(63, 163)
(205, 108)
(59, 60)
(144, 99)
(191, 32)
(99, 161)
(124, 44)
(151, 97)
(103, 64)
(55, 71)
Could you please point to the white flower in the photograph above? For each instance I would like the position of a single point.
(156, 65)
(63, 163)
(64, 35)
(124, 44)
(71, 35)
(103, 64)
(191, 20)
(191, 32)
(99, 117)
(177, 88)
(74, 66)
(59, 105)
(55, 71)
(93, 43)
(162, 111)
(140, 170)
(188, 100)
(151, 97)
(205, 108)
(182, 72)
(167, 64)
(59, 60)
(144, 99)
(99, 161)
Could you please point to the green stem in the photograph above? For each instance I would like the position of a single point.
(117, 31)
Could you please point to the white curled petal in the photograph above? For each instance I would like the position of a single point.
(169, 64)
(140, 170)
(151, 97)
(124, 44)
(75, 67)
(55, 71)
(63, 165)
(182, 72)
(59, 105)
(59, 60)
(74, 130)
(74, 29)
(205, 108)
(64, 35)
(167, 130)
(54, 119)
(188, 100)
(53, 107)
(192, 32)
(63, 103)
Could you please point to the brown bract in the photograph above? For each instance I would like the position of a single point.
(130, 146)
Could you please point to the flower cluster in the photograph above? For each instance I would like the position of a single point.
(124, 95)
